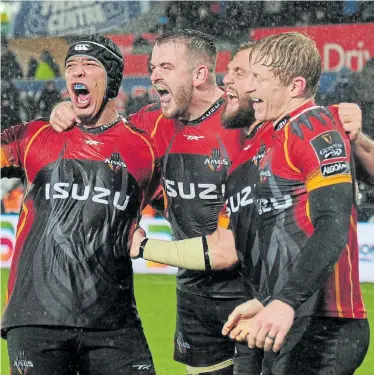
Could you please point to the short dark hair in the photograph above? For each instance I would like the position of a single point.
(244, 46)
(196, 42)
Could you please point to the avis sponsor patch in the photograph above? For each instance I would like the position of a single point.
(329, 145)
(331, 169)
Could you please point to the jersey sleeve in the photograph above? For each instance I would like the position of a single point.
(145, 119)
(151, 121)
(317, 147)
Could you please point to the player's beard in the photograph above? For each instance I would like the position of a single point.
(182, 100)
(243, 117)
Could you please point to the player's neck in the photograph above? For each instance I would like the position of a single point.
(107, 116)
(292, 106)
(203, 100)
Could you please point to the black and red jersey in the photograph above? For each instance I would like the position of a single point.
(195, 158)
(84, 191)
(240, 211)
(309, 151)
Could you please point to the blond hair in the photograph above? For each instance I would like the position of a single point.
(290, 55)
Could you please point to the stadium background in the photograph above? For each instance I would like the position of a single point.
(34, 40)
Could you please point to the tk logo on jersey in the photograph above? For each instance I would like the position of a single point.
(193, 137)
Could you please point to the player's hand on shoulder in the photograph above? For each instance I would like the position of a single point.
(137, 239)
(350, 116)
(63, 117)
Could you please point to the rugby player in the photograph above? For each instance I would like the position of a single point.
(70, 306)
(195, 153)
(243, 175)
(305, 192)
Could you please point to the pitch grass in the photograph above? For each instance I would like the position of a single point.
(156, 302)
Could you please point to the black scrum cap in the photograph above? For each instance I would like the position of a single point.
(107, 53)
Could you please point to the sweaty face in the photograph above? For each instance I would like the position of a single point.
(86, 82)
(172, 79)
(271, 99)
(238, 110)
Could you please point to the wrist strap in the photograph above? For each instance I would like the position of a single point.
(141, 248)
(208, 267)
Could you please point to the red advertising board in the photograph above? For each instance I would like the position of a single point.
(350, 45)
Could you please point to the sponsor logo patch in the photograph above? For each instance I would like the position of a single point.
(260, 155)
(22, 364)
(329, 145)
(331, 169)
(115, 162)
(215, 161)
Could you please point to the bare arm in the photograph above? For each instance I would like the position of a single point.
(363, 149)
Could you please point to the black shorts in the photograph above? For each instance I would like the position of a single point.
(68, 351)
(320, 346)
(198, 340)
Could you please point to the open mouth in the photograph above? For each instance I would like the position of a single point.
(231, 95)
(164, 94)
(256, 100)
(82, 94)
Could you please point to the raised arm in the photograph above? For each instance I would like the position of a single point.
(363, 149)
(63, 117)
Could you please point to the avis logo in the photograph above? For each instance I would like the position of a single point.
(21, 363)
(82, 47)
(193, 137)
(115, 162)
(215, 161)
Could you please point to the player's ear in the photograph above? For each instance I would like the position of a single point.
(298, 86)
(200, 75)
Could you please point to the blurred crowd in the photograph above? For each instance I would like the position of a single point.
(233, 19)
(224, 20)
